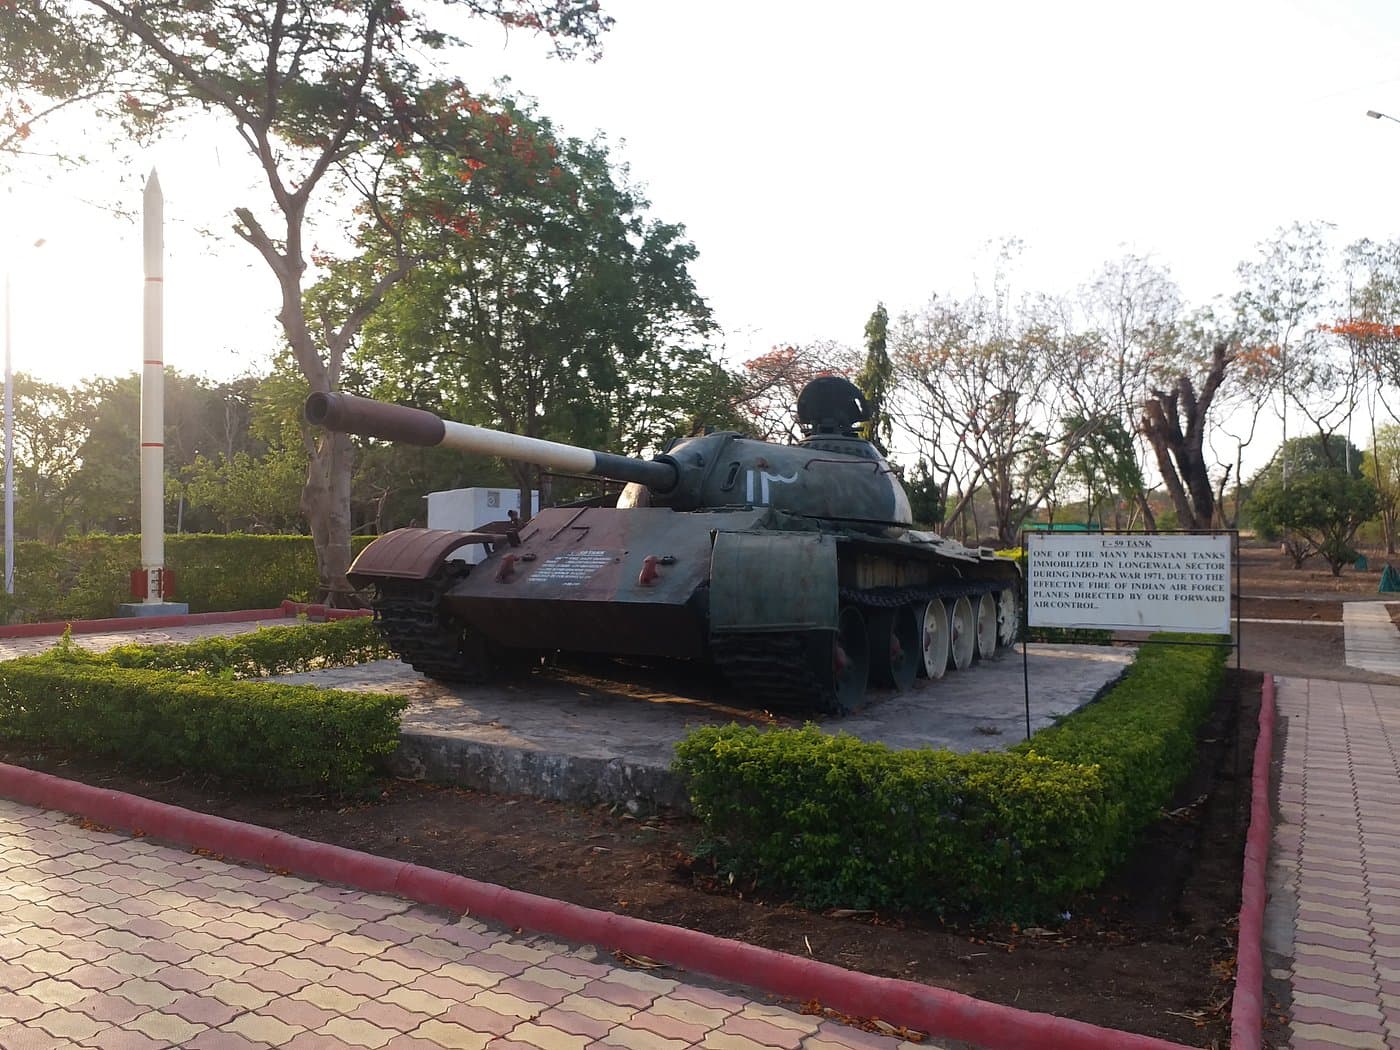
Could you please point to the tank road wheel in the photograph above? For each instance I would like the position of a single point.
(1008, 616)
(934, 631)
(848, 663)
(895, 647)
(962, 633)
(986, 627)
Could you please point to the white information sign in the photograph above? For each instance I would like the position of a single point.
(1130, 583)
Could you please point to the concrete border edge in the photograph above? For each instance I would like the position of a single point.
(1247, 1006)
(937, 1011)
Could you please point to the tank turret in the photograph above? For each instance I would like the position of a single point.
(792, 567)
(832, 475)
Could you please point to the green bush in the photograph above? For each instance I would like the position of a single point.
(835, 821)
(265, 736)
(266, 651)
(88, 577)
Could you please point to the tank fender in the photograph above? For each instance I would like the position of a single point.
(411, 554)
(772, 581)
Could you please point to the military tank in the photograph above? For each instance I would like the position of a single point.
(793, 568)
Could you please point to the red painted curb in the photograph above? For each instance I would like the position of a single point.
(1247, 1009)
(288, 609)
(939, 1012)
(129, 623)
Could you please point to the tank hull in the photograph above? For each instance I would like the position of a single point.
(796, 613)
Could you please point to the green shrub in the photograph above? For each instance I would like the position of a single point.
(266, 651)
(88, 577)
(265, 736)
(835, 821)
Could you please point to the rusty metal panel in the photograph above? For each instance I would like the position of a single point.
(773, 581)
(646, 556)
(410, 554)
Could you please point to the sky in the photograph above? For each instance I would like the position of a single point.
(824, 157)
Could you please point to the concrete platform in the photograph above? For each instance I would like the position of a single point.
(606, 732)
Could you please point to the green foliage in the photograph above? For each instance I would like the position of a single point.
(1322, 509)
(927, 499)
(1308, 455)
(243, 491)
(835, 821)
(266, 651)
(88, 577)
(876, 379)
(265, 736)
(549, 304)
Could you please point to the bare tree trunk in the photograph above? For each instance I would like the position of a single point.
(1179, 450)
(325, 500)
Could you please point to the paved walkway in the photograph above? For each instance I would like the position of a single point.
(115, 942)
(1372, 640)
(1333, 918)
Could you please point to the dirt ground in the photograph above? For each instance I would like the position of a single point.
(1271, 589)
(1151, 952)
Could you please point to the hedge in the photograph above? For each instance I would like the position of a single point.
(88, 577)
(835, 821)
(265, 651)
(259, 734)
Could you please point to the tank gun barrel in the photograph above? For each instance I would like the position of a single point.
(347, 413)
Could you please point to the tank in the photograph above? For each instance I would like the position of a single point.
(793, 568)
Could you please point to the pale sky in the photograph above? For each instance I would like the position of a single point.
(827, 156)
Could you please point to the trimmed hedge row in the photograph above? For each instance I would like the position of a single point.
(266, 651)
(260, 734)
(836, 821)
(88, 577)
(178, 706)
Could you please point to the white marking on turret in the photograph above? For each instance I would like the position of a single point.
(765, 479)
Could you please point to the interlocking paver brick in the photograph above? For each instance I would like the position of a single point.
(508, 1005)
(55, 992)
(451, 1036)
(110, 1008)
(1324, 1035)
(575, 1023)
(478, 1019)
(418, 1001)
(159, 1025)
(390, 1016)
(640, 1039)
(69, 1024)
(260, 1028)
(202, 1009)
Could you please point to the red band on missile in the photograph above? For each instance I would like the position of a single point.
(153, 444)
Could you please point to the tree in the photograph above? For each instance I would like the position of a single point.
(876, 378)
(554, 308)
(1174, 423)
(1382, 465)
(770, 384)
(201, 419)
(326, 98)
(987, 388)
(1286, 294)
(1134, 307)
(50, 424)
(1105, 466)
(1324, 508)
(247, 494)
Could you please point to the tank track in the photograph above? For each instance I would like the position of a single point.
(409, 616)
(774, 670)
